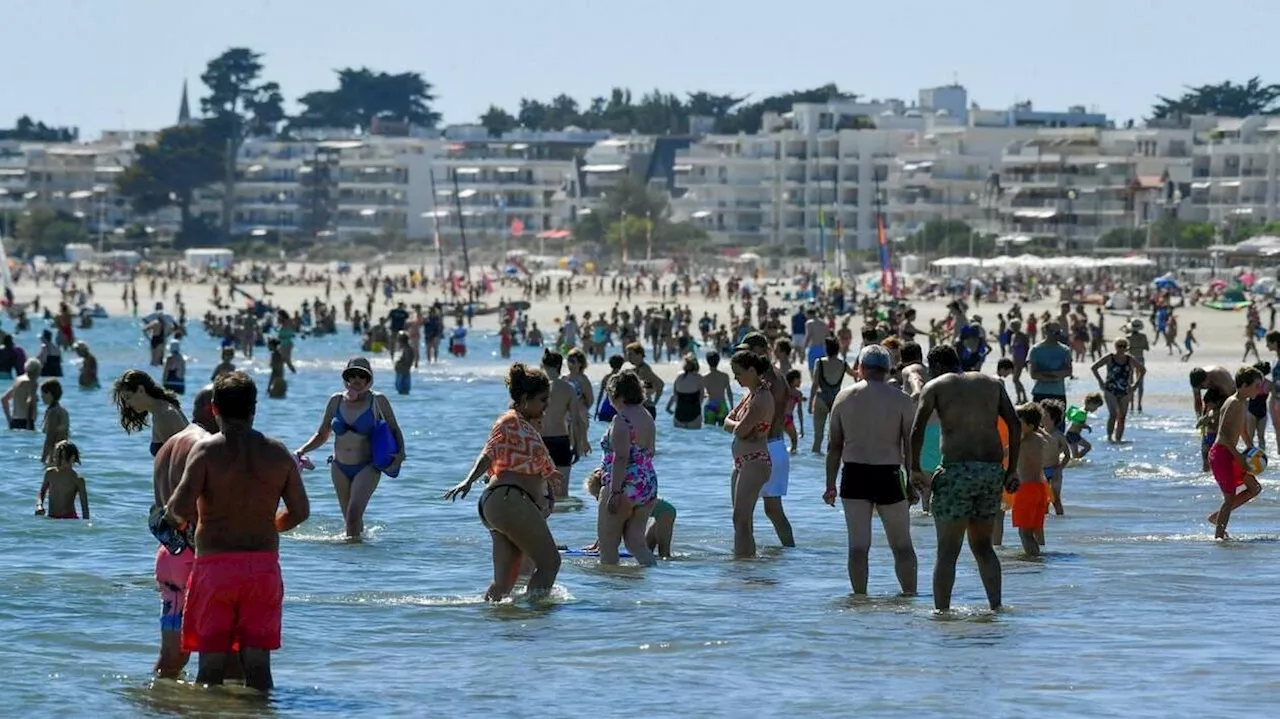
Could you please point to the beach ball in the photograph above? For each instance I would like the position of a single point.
(1255, 461)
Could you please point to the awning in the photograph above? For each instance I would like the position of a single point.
(1036, 214)
(603, 168)
(467, 171)
(554, 234)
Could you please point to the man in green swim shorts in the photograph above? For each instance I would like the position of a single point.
(966, 488)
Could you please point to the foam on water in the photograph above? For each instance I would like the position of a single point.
(1131, 586)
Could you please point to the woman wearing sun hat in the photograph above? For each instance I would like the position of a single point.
(350, 417)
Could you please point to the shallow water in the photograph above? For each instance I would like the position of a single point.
(1134, 610)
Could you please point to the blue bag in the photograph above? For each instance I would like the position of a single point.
(383, 442)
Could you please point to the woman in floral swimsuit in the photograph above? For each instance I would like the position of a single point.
(629, 488)
(749, 424)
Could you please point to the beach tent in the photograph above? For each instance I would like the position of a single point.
(201, 259)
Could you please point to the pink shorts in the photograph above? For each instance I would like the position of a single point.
(1227, 472)
(235, 598)
(172, 573)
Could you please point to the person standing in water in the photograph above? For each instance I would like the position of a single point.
(235, 593)
(629, 484)
(719, 392)
(966, 488)
(685, 403)
(1124, 371)
(139, 399)
(557, 420)
(1226, 461)
(175, 369)
(828, 375)
(749, 422)
(88, 366)
(780, 474)
(580, 417)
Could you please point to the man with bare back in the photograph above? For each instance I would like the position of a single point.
(966, 487)
(1225, 458)
(173, 570)
(235, 594)
(780, 476)
(1203, 379)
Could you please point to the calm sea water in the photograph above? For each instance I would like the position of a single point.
(1134, 610)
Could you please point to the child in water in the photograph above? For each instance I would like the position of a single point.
(662, 521)
(794, 401)
(1031, 500)
(1059, 449)
(57, 423)
(62, 484)
(226, 366)
(1079, 445)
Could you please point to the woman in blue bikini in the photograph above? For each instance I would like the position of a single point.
(349, 417)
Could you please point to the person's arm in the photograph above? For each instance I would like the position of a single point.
(323, 431)
(479, 469)
(658, 384)
(83, 491)
(1139, 374)
(297, 507)
(924, 412)
(44, 490)
(1195, 396)
(759, 410)
(799, 417)
(182, 503)
(1010, 417)
(46, 452)
(1033, 365)
(1028, 466)
(671, 401)
(835, 449)
(5, 402)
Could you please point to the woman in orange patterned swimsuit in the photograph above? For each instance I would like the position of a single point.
(515, 504)
(749, 424)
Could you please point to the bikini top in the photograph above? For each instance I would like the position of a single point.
(761, 426)
(362, 426)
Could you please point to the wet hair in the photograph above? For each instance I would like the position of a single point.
(713, 359)
(524, 382)
(911, 353)
(616, 362)
(793, 375)
(235, 396)
(1246, 376)
(626, 388)
(635, 348)
(1004, 364)
(1030, 413)
(1214, 397)
(135, 380)
(691, 363)
(782, 345)
(1198, 376)
(1055, 409)
(944, 357)
(1095, 399)
(747, 359)
(1263, 367)
(552, 359)
(66, 452)
(53, 388)
(578, 356)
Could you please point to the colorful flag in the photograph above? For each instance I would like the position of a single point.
(888, 277)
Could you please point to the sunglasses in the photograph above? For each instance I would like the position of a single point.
(352, 375)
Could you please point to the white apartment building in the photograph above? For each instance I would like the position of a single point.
(1235, 170)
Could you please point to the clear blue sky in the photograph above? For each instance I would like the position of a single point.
(107, 64)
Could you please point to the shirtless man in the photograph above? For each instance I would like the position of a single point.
(22, 401)
(635, 355)
(1204, 378)
(816, 333)
(719, 392)
(776, 488)
(1225, 458)
(870, 433)
(557, 431)
(235, 593)
(172, 570)
(966, 488)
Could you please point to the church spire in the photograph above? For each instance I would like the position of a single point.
(184, 107)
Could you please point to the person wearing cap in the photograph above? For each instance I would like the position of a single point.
(349, 417)
(776, 488)
(175, 369)
(870, 438)
(966, 487)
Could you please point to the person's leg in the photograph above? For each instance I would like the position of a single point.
(341, 487)
(778, 516)
(950, 542)
(857, 522)
(362, 488)
(979, 533)
(1122, 415)
(776, 489)
(521, 520)
(257, 669)
(1056, 485)
(633, 535)
(506, 567)
(820, 412)
(751, 478)
(1112, 411)
(1029, 543)
(896, 519)
(609, 527)
(212, 668)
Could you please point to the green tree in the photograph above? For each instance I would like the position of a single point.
(498, 121)
(1225, 99)
(43, 231)
(533, 114)
(239, 106)
(32, 131)
(363, 96)
(627, 211)
(1165, 232)
(748, 117)
(168, 172)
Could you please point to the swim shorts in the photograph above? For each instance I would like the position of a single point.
(780, 476)
(1073, 437)
(879, 484)
(561, 450)
(172, 573)
(1030, 503)
(1227, 471)
(967, 491)
(22, 424)
(233, 598)
(815, 353)
(714, 412)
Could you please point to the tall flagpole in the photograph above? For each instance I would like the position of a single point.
(648, 236)
(622, 228)
(435, 217)
(462, 228)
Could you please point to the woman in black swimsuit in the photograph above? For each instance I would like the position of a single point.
(686, 398)
(1124, 371)
(828, 375)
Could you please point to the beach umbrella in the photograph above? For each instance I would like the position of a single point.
(1247, 279)
(1165, 283)
(511, 271)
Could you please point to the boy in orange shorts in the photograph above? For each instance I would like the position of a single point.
(1225, 459)
(1032, 498)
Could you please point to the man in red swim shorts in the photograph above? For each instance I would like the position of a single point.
(1225, 459)
(235, 593)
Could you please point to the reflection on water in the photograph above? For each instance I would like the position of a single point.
(1132, 610)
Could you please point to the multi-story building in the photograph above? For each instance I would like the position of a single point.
(80, 178)
(1235, 170)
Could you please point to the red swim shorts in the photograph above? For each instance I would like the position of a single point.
(233, 598)
(1227, 472)
(1029, 505)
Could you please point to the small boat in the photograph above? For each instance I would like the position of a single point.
(1226, 305)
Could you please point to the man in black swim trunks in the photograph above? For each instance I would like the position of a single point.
(870, 435)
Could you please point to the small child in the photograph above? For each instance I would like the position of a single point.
(1059, 451)
(57, 423)
(62, 484)
(794, 400)
(226, 366)
(662, 524)
(1079, 445)
(1189, 341)
(1031, 501)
